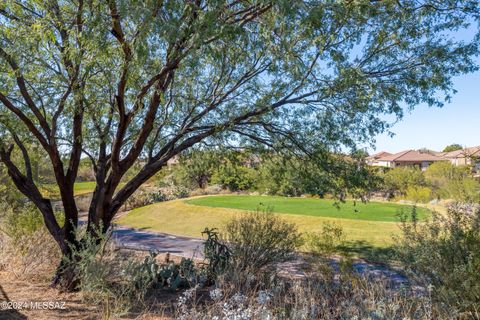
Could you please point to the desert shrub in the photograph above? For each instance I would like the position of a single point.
(197, 167)
(463, 189)
(438, 175)
(90, 262)
(118, 283)
(234, 176)
(450, 182)
(26, 248)
(326, 241)
(444, 253)
(85, 171)
(184, 274)
(106, 279)
(396, 181)
(20, 222)
(259, 240)
(217, 254)
(168, 193)
(138, 199)
(213, 189)
(418, 194)
(318, 296)
(35, 259)
(144, 197)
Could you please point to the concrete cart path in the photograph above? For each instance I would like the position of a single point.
(140, 239)
(143, 239)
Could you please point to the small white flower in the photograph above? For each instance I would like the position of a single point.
(251, 278)
(264, 297)
(239, 298)
(216, 294)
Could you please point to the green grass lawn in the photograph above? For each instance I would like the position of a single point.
(371, 211)
(84, 187)
(51, 190)
(80, 188)
(372, 228)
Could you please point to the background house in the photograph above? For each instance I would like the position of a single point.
(464, 157)
(423, 158)
(408, 158)
(373, 160)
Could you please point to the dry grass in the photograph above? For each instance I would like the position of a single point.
(16, 290)
(33, 258)
(323, 294)
(33, 287)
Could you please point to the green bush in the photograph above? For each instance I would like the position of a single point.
(26, 247)
(21, 222)
(277, 176)
(444, 254)
(260, 240)
(438, 175)
(196, 168)
(464, 189)
(450, 182)
(234, 176)
(418, 194)
(326, 241)
(397, 180)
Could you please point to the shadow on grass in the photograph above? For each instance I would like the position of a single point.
(365, 250)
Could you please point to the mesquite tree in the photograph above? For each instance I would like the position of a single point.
(121, 80)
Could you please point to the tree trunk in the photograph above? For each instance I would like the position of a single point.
(66, 277)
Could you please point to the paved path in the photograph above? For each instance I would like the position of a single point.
(140, 239)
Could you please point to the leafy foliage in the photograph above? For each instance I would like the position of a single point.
(235, 172)
(418, 194)
(121, 81)
(453, 147)
(400, 179)
(259, 240)
(450, 182)
(445, 252)
(217, 254)
(197, 167)
(327, 241)
(20, 222)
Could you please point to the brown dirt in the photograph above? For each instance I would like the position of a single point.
(16, 290)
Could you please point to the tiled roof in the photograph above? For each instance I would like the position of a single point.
(463, 152)
(379, 155)
(411, 156)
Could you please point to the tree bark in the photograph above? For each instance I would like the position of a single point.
(66, 276)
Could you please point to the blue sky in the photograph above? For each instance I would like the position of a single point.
(435, 128)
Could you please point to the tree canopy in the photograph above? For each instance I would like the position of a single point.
(453, 147)
(117, 81)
